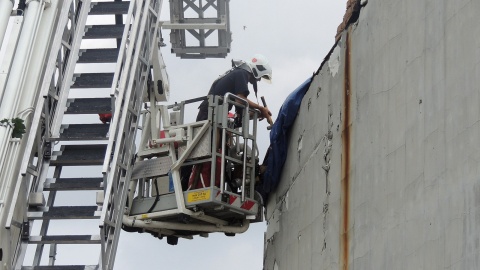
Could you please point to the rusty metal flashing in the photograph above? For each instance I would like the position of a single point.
(346, 148)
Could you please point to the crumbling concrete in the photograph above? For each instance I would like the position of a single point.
(351, 15)
(383, 166)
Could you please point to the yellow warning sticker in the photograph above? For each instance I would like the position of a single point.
(144, 216)
(196, 196)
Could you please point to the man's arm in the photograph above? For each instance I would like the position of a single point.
(265, 112)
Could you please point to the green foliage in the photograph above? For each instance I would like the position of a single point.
(18, 128)
(17, 125)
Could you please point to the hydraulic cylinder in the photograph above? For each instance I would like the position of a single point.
(6, 7)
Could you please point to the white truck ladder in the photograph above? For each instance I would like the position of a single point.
(61, 151)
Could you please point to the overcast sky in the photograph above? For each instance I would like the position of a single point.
(295, 36)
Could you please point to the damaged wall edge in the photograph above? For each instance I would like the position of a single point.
(351, 16)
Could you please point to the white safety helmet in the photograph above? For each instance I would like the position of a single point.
(260, 67)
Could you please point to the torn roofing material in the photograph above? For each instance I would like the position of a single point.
(351, 15)
(279, 137)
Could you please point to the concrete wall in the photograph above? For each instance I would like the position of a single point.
(383, 167)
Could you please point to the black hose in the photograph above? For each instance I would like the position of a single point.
(157, 198)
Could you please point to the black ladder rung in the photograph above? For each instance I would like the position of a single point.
(61, 267)
(64, 212)
(73, 184)
(92, 80)
(104, 31)
(89, 106)
(84, 132)
(64, 239)
(79, 155)
(109, 55)
(109, 8)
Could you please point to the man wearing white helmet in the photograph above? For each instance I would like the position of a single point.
(236, 82)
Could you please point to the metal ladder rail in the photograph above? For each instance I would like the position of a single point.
(131, 85)
(80, 19)
(78, 14)
(129, 132)
(72, 239)
(29, 172)
(120, 76)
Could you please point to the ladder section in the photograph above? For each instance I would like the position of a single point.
(67, 190)
(130, 80)
(199, 29)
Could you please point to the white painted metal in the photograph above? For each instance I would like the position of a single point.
(26, 100)
(46, 83)
(37, 64)
(6, 192)
(190, 30)
(70, 69)
(186, 26)
(54, 63)
(160, 76)
(31, 86)
(122, 72)
(6, 7)
(16, 79)
(9, 53)
(194, 141)
(218, 120)
(151, 224)
(124, 58)
(125, 119)
(10, 149)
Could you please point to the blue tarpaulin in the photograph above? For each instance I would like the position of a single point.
(279, 137)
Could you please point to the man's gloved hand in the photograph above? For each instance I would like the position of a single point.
(265, 113)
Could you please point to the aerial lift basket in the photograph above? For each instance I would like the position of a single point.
(195, 178)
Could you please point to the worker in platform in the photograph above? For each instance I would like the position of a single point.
(236, 82)
(233, 81)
